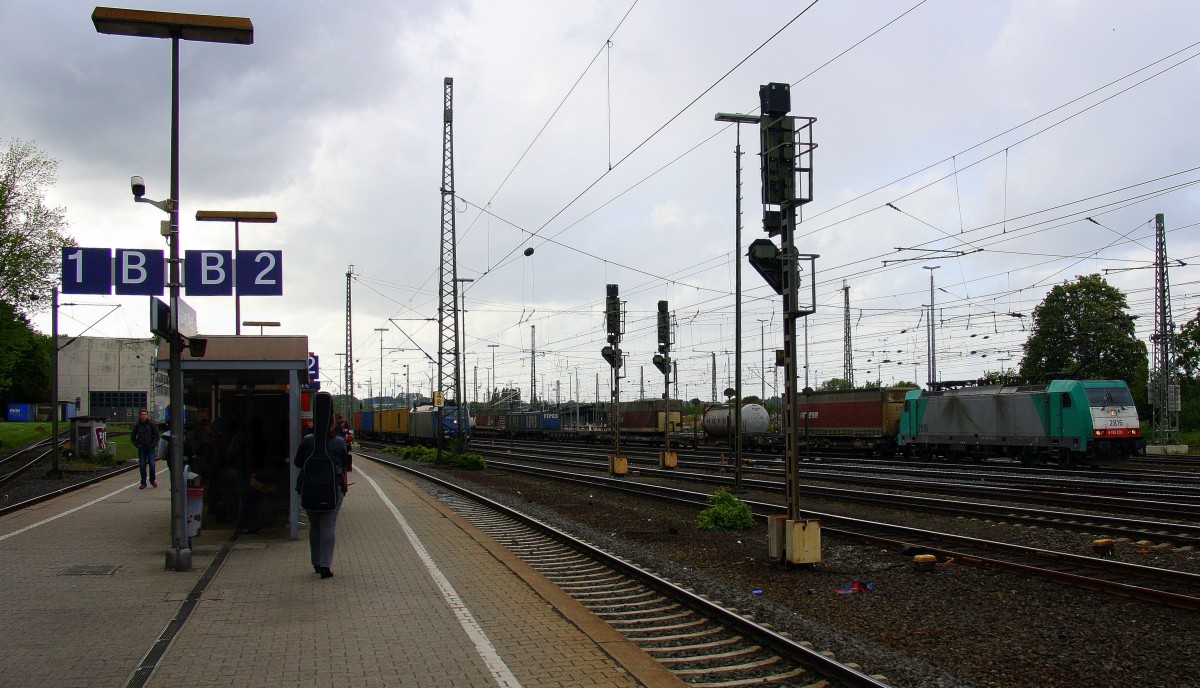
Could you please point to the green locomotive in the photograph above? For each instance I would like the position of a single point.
(1065, 422)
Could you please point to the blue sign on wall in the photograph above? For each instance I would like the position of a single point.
(139, 271)
(86, 270)
(260, 273)
(208, 273)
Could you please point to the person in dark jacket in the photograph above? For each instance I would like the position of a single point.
(145, 438)
(322, 525)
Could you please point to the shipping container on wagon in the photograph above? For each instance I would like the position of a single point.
(861, 419)
(647, 416)
(392, 423)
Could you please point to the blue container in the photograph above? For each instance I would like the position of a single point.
(22, 412)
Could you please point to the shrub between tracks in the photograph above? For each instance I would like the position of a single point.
(726, 513)
(465, 461)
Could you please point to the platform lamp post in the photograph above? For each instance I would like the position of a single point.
(493, 375)
(260, 324)
(738, 120)
(177, 27)
(236, 217)
(932, 329)
(460, 361)
(381, 331)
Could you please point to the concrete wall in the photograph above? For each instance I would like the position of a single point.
(95, 364)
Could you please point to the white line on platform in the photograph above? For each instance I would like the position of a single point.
(499, 670)
(65, 513)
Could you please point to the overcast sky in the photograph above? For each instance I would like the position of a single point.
(585, 130)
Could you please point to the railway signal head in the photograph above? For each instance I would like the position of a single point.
(663, 363)
(612, 355)
(612, 313)
(664, 328)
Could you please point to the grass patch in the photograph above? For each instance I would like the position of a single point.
(21, 434)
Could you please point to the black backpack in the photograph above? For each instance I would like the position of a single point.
(319, 481)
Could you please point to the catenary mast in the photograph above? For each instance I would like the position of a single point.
(448, 378)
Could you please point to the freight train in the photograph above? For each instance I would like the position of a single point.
(416, 426)
(639, 420)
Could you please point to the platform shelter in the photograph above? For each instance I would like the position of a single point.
(242, 425)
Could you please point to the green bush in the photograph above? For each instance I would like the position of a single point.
(420, 454)
(468, 462)
(726, 513)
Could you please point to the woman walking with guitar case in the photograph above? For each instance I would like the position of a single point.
(324, 461)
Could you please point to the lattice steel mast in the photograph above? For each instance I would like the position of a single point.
(1164, 385)
(448, 379)
(349, 340)
(533, 364)
(847, 355)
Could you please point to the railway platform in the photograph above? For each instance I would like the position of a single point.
(419, 597)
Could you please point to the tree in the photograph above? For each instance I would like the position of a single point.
(24, 359)
(32, 234)
(1083, 329)
(835, 384)
(1187, 357)
(1187, 348)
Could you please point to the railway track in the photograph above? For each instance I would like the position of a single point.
(1160, 586)
(702, 642)
(1159, 532)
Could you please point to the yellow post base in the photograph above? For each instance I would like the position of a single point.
(775, 547)
(802, 540)
(668, 459)
(618, 465)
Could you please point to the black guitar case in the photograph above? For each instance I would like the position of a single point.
(319, 482)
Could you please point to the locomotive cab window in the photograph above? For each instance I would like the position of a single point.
(1109, 396)
(1066, 400)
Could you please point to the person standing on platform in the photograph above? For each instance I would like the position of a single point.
(145, 438)
(322, 523)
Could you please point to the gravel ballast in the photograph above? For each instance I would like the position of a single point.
(957, 625)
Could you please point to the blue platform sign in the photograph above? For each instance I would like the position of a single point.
(208, 273)
(314, 373)
(260, 273)
(86, 270)
(143, 272)
(139, 271)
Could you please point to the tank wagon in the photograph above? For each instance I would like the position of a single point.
(717, 422)
(1066, 422)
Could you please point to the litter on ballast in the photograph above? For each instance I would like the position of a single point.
(855, 587)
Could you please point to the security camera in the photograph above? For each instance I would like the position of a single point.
(138, 186)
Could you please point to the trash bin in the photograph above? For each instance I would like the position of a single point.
(89, 436)
(195, 507)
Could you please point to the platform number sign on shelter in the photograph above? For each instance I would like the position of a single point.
(314, 372)
(127, 271)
